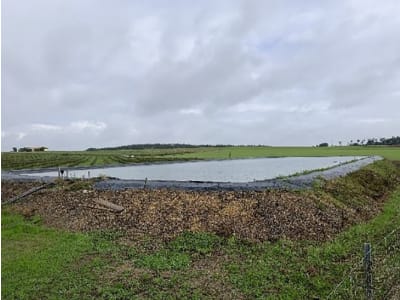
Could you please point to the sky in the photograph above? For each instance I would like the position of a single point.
(95, 73)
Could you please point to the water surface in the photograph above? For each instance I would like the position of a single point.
(235, 170)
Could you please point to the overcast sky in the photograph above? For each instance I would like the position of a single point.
(82, 73)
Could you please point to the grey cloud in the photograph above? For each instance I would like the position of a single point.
(273, 72)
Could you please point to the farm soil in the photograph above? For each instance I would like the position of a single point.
(316, 214)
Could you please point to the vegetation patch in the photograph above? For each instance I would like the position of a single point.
(365, 189)
(33, 257)
(164, 260)
(201, 243)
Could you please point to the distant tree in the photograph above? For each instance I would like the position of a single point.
(323, 145)
(340, 143)
(373, 141)
(393, 141)
(15, 149)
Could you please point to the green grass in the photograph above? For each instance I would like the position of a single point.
(391, 153)
(42, 263)
(34, 258)
(164, 260)
(15, 161)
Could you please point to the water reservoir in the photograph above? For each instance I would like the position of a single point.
(234, 170)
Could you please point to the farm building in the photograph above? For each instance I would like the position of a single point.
(33, 149)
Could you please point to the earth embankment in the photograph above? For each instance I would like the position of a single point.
(318, 213)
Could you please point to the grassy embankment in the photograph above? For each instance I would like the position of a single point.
(15, 161)
(43, 263)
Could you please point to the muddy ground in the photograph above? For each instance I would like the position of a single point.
(318, 214)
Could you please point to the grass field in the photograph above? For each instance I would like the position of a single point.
(42, 263)
(15, 161)
(392, 153)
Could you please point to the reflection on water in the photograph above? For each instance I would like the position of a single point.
(237, 170)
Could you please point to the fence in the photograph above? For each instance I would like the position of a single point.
(376, 274)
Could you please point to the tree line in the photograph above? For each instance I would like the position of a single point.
(393, 141)
(164, 146)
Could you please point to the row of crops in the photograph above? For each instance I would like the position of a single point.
(24, 160)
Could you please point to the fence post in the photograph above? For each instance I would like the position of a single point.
(368, 270)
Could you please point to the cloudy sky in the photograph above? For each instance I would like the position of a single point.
(92, 73)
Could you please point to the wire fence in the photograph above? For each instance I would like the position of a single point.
(378, 278)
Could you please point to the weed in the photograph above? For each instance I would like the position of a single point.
(164, 260)
(195, 243)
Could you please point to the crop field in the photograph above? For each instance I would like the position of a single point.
(57, 244)
(24, 160)
(15, 161)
